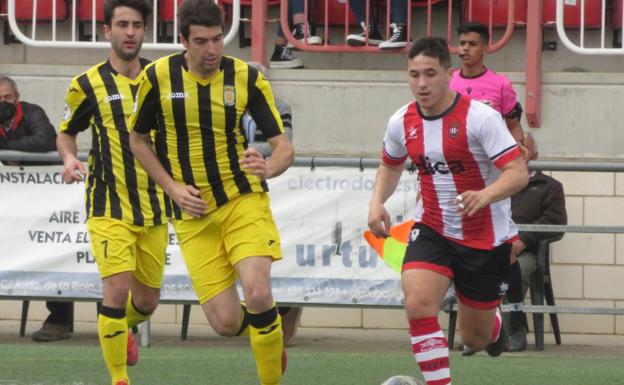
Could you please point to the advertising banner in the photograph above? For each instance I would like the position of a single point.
(321, 215)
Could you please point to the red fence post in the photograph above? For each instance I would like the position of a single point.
(259, 31)
(533, 68)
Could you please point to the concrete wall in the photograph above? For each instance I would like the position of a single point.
(344, 112)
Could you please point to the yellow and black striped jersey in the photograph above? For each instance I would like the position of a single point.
(117, 186)
(201, 140)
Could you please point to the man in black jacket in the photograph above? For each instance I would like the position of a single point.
(23, 126)
(542, 201)
(26, 127)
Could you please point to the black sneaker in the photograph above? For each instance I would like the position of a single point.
(517, 339)
(494, 349)
(374, 37)
(300, 34)
(283, 58)
(398, 39)
(467, 351)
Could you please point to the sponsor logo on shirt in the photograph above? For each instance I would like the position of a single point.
(425, 166)
(110, 98)
(178, 95)
(229, 95)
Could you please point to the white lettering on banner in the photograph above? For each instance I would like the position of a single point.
(358, 183)
(25, 177)
(307, 257)
(321, 216)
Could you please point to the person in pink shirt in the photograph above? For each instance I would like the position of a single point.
(474, 79)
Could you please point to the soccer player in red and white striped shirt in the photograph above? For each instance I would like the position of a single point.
(469, 165)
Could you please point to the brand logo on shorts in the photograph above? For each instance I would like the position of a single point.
(503, 288)
(414, 234)
(271, 242)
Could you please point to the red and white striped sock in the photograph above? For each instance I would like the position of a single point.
(431, 351)
(498, 322)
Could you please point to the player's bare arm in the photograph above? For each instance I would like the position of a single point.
(281, 158)
(186, 197)
(73, 169)
(386, 182)
(514, 177)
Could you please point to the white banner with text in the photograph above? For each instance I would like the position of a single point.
(321, 215)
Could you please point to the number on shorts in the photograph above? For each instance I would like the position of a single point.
(105, 243)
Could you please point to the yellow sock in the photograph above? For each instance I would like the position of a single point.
(134, 315)
(266, 343)
(113, 333)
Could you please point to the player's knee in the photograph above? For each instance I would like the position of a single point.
(420, 307)
(259, 298)
(146, 304)
(226, 325)
(116, 294)
(476, 339)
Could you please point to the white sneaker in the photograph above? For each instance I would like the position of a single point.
(398, 39)
(299, 34)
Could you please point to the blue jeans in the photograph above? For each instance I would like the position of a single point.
(398, 11)
(294, 7)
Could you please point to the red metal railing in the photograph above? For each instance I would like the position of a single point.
(533, 21)
(422, 4)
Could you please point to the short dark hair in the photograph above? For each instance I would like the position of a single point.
(473, 26)
(205, 13)
(144, 7)
(435, 47)
(9, 81)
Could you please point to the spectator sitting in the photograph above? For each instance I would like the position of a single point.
(290, 315)
(542, 202)
(398, 24)
(26, 127)
(282, 56)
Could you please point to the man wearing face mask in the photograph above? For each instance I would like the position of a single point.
(23, 126)
(26, 127)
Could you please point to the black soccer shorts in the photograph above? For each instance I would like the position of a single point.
(477, 274)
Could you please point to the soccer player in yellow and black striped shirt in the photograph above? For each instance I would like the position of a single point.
(225, 227)
(127, 213)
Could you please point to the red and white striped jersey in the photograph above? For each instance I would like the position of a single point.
(462, 149)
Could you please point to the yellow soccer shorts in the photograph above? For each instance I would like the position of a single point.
(213, 244)
(120, 247)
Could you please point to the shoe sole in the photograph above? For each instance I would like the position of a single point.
(281, 65)
(49, 339)
(392, 46)
(312, 40)
(361, 43)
